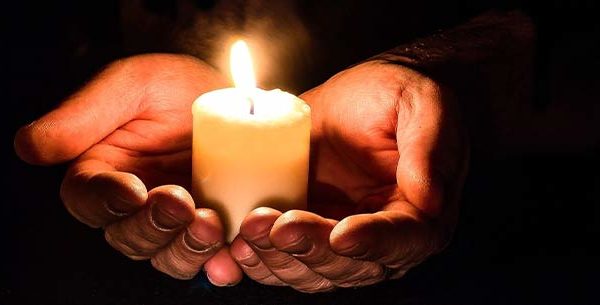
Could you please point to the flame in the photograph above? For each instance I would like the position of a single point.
(240, 63)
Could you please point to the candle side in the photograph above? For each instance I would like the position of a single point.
(242, 161)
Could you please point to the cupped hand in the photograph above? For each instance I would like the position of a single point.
(389, 158)
(129, 131)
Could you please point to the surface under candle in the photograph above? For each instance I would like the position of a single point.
(241, 161)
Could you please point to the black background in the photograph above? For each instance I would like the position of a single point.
(528, 233)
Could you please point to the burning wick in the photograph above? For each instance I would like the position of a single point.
(251, 105)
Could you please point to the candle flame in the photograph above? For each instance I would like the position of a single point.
(240, 62)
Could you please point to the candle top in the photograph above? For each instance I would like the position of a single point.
(247, 103)
(270, 107)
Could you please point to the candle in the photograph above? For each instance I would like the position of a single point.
(250, 147)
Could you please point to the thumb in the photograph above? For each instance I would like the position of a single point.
(398, 239)
(433, 152)
(110, 100)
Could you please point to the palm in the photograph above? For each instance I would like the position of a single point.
(154, 148)
(155, 144)
(356, 153)
(376, 126)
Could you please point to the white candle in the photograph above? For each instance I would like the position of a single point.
(250, 147)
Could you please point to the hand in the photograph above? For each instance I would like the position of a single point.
(129, 130)
(389, 160)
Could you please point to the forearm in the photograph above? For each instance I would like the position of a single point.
(488, 63)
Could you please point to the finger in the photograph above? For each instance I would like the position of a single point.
(433, 153)
(255, 230)
(306, 236)
(112, 98)
(251, 264)
(170, 208)
(189, 251)
(396, 239)
(221, 269)
(96, 194)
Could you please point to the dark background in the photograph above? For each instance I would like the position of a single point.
(528, 233)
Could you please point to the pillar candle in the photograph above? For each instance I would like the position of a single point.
(250, 148)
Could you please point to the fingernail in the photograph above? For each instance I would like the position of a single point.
(350, 249)
(262, 243)
(217, 283)
(301, 245)
(109, 208)
(167, 215)
(124, 203)
(119, 206)
(196, 246)
(249, 261)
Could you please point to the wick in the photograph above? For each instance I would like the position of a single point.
(251, 105)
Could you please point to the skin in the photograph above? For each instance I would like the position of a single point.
(127, 132)
(388, 161)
